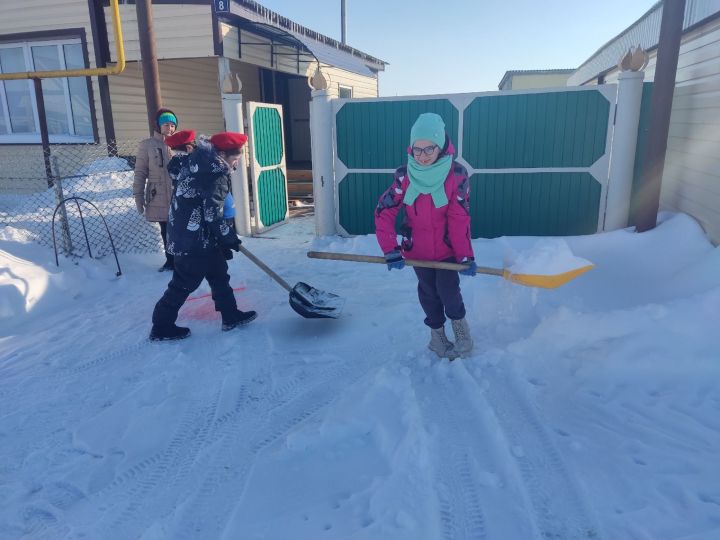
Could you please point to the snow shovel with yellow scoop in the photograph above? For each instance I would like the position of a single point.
(549, 281)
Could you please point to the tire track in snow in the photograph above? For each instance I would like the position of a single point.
(207, 513)
(220, 451)
(559, 510)
(456, 471)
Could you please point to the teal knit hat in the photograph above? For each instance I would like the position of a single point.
(428, 126)
(166, 115)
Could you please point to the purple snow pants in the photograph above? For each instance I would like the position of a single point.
(439, 294)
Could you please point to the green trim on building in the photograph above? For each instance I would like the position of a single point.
(374, 134)
(553, 129)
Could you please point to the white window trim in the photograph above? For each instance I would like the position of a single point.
(343, 87)
(35, 138)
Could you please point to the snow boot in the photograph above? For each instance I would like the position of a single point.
(168, 266)
(463, 340)
(168, 333)
(237, 318)
(440, 344)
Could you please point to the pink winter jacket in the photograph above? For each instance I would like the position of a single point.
(429, 233)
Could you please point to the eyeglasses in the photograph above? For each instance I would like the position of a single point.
(428, 150)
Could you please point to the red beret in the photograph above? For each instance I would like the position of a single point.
(228, 140)
(181, 138)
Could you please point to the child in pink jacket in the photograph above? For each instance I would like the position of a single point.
(433, 194)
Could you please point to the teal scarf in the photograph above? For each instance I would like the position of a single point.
(428, 179)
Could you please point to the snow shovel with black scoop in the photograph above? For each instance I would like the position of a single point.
(307, 301)
(550, 281)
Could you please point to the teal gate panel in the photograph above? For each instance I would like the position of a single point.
(358, 194)
(267, 165)
(534, 204)
(374, 134)
(272, 196)
(538, 159)
(540, 130)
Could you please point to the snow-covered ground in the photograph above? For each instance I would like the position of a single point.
(588, 411)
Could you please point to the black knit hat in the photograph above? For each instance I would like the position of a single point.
(165, 112)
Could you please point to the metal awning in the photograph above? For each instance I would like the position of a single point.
(326, 54)
(321, 52)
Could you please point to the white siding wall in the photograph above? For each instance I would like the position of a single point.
(539, 80)
(691, 178)
(189, 87)
(181, 31)
(363, 87)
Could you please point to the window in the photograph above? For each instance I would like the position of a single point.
(67, 104)
(345, 92)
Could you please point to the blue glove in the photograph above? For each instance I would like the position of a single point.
(394, 259)
(471, 267)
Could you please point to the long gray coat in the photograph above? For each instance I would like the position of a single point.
(152, 188)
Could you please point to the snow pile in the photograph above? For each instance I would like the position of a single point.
(587, 411)
(546, 257)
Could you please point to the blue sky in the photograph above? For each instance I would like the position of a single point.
(466, 45)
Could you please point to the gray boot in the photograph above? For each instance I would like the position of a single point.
(440, 344)
(463, 340)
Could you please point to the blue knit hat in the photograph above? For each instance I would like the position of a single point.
(428, 126)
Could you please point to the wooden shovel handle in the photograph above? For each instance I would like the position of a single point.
(265, 268)
(410, 262)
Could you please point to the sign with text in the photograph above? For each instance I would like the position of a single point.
(222, 6)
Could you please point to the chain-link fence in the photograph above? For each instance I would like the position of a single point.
(99, 173)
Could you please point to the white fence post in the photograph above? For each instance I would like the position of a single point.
(232, 111)
(322, 162)
(622, 152)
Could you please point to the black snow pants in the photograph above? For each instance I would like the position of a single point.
(188, 274)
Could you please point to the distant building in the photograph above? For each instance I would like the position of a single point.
(691, 177)
(534, 78)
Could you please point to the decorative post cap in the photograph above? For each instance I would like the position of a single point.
(318, 81)
(635, 59)
(231, 84)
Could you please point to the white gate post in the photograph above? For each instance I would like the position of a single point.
(622, 152)
(232, 111)
(322, 156)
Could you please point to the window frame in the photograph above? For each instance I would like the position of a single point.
(343, 87)
(57, 40)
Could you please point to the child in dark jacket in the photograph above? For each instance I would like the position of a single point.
(433, 192)
(198, 233)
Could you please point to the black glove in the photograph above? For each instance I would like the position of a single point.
(235, 245)
(227, 253)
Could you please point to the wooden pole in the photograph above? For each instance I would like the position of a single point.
(148, 54)
(44, 135)
(660, 107)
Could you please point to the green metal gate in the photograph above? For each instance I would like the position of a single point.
(538, 160)
(266, 142)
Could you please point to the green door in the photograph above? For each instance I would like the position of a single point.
(268, 173)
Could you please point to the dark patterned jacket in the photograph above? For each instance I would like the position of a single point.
(201, 181)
